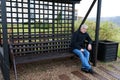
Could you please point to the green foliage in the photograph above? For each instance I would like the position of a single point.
(91, 28)
(59, 17)
(40, 25)
(77, 24)
(108, 31)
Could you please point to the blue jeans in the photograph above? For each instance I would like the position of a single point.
(84, 57)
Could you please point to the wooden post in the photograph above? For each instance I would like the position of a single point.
(5, 63)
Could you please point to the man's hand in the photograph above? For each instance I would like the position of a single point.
(89, 47)
(82, 50)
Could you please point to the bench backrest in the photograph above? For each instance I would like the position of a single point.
(39, 44)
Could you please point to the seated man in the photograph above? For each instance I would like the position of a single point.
(78, 47)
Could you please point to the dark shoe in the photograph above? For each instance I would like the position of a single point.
(85, 70)
(91, 71)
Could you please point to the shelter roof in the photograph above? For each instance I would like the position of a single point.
(65, 1)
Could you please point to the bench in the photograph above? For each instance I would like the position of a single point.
(37, 47)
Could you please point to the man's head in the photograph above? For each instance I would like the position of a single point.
(83, 28)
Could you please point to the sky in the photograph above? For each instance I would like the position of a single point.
(109, 8)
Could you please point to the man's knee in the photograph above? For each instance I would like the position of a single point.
(77, 52)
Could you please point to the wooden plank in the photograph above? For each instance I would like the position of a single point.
(115, 67)
(98, 76)
(80, 75)
(109, 72)
(64, 77)
(41, 57)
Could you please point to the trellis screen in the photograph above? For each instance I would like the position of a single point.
(47, 23)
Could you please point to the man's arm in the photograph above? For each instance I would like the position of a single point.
(89, 42)
(74, 42)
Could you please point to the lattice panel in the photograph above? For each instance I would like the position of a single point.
(46, 24)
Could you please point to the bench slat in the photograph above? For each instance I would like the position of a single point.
(37, 46)
(33, 58)
(42, 42)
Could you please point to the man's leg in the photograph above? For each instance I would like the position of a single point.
(83, 59)
(87, 54)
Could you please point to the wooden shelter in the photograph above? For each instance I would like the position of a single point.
(33, 30)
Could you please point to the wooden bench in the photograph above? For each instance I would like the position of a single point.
(32, 48)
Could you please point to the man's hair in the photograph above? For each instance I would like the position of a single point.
(84, 26)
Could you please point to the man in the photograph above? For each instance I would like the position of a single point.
(78, 47)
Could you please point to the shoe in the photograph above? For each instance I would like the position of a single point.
(85, 70)
(91, 71)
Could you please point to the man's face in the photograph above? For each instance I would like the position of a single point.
(83, 29)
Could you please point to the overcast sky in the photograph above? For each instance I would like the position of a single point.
(109, 8)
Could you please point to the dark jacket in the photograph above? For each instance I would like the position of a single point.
(79, 39)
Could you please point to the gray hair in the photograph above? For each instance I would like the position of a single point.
(84, 26)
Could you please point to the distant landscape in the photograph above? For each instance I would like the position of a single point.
(115, 20)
